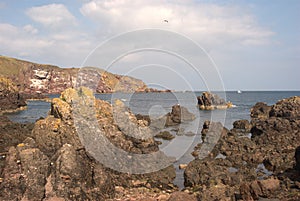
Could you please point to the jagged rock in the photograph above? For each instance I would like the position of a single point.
(237, 159)
(287, 108)
(256, 189)
(210, 101)
(178, 115)
(10, 98)
(260, 110)
(25, 172)
(57, 137)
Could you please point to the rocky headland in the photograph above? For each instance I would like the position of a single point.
(33, 78)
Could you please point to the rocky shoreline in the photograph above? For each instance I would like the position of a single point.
(47, 161)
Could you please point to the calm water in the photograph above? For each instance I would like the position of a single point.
(157, 104)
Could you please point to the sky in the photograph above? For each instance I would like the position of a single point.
(179, 44)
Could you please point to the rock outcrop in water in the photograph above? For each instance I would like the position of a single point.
(51, 162)
(210, 101)
(31, 78)
(242, 168)
(10, 98)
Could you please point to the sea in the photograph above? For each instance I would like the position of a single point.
(158, 104)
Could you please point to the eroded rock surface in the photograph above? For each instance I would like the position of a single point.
(54, 164)
(240, 167)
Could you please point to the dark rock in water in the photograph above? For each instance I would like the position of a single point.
(10, 98)
(242, 125)
(210, 101)
(166, 135)
(297, 157)
(178, 115)
(260, 110)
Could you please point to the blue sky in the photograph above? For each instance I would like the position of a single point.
(254, 44)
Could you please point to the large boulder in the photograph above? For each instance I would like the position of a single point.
(287, 108)
(260, 110)
(10, 98)
(210, 101)
(179, 114)
(25, 173)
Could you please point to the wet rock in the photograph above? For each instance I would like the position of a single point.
(179, 196)
(178, 115)
(210, 101)
(166, 135)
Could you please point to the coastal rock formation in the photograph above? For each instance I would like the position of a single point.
(31, 78)
(51, 163)
(210, 101)
(10, 98)
(260, 110)
(178, 115)
(239, 167)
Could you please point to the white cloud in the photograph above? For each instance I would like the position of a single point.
(30, 29)
(209, 23)
(52, 15)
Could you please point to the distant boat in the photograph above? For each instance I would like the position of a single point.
(239, 91)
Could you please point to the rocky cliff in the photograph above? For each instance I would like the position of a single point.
(40, 78)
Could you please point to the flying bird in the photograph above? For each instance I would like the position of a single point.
(166, 21)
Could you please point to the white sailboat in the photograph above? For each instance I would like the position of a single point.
(239, 91)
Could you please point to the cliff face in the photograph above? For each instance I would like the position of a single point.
(38, 78)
